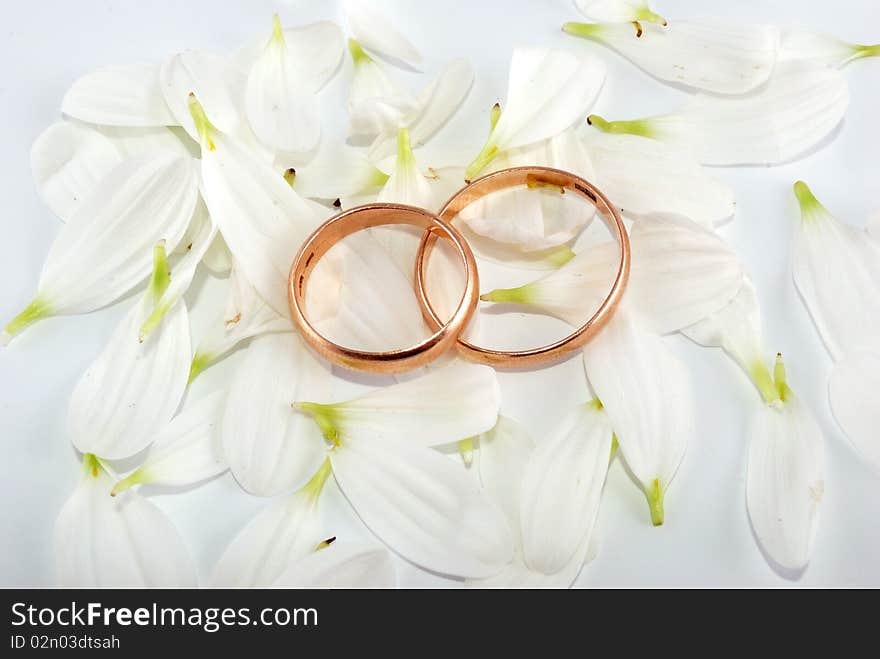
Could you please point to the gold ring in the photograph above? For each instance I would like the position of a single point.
(363, 217)
(533, 177)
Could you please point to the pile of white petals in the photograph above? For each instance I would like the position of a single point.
(218, 162)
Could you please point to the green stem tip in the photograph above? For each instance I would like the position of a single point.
(200, 362)
(811, 208)
(134, 478)
(466, 450)
(519, 295)
(358, 55)
(204, 127)
(325, 416)
(484, 157)
(35, 310)
(277, 31)
(860, 51)
(655, 493)
(641, 127)
(586, 30)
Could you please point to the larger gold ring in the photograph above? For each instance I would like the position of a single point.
(533, 177)
(363, 217)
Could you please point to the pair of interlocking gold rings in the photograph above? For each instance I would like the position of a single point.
(447, 334)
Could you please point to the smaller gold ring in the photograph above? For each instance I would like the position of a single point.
(356, 219)
(532, 176)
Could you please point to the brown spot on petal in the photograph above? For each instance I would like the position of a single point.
(817, 491)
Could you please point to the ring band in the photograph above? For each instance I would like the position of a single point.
(363, 217)
(531, 176)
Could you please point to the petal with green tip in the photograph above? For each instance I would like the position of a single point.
(836, 269)
(286, 531)
(117, 542)
(442, 406)
(377, 33)
(803, 45)
(720, 57)
(432, 108)
(187, 450)
(105, 249)
(204, 75)
(247, 315)
(261, 218)
(648, 396)
(547, 92)
(785, 483)
(271, 448)
(283, 81)
(134, 387)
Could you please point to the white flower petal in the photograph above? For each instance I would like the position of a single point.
(785, 482)
(803, 45)
(104, 249)
(647, 393)
(518, 575)
(125, 541)
(423, 505)
(736, 328)
(203, 74)
(716, 56)
(837, 272)
(852, 390)
(619, 11)
(202, 237)
(341, 565)
(247, 315)
(783, 120)
(503, 457)
(281, 96)
(271, 448)
(338, 171)
(377, 34)
(376, 104)
(187, 450)
(794, 112)
(218, 258)
(133, 388)
(68, 160)
(261, 218)
(562, 487)
(374, 308)
(643, 176)
(446, 404)
(535, 219)
(433, 107)
(547, 92)
(285, 531)
(680, 274)
(119, 96)
(138, 140)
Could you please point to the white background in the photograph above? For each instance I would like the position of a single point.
(706, 540)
